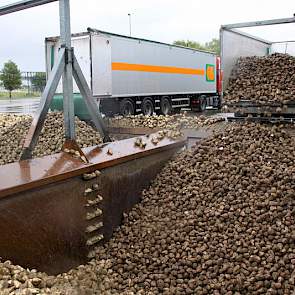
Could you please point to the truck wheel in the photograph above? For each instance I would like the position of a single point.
(147, 107)
(203, 103)
(165, 106)
(127, 107)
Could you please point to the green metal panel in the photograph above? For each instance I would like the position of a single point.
(79, 104)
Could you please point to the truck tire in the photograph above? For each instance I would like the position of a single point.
(203, 103)
(127, 107)
(165, 106)
(147, 107)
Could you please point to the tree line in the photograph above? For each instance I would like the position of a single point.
(213, 45)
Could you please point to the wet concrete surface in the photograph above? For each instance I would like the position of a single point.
(19, 105)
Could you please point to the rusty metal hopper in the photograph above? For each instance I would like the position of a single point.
(56, 210)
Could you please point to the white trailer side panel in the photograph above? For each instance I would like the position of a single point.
(119, 66)
(82, 53)
(235, 44)
(101, 61)
(158, 69)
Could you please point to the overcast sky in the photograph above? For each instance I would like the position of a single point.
(22, 34)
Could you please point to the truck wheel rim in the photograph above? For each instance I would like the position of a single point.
(203, 105)
(148, 109)
(165, 107)
(128, 109)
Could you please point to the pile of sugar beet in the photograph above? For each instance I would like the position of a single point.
(13, 129)
(265, 80)
(218, 219)
(172, 122)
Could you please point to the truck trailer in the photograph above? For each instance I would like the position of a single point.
(130, 75)
(235, 44)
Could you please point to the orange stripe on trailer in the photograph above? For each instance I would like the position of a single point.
(122, 66)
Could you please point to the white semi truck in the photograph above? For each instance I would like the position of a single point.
(130, 75)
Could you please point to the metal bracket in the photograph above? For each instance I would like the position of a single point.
(68, 55)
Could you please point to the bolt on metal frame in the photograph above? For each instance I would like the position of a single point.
(66, 68)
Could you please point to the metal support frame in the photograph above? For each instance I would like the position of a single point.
(22, 5)
(67, 79)
(66, 67)
(260, 23)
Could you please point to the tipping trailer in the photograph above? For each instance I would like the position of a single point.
(132, 75)
(236, 43)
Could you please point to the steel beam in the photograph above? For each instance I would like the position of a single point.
(278, 21)
(67, 79)
(22, 5)
(40, 116)
(284, 41)
(89, 100)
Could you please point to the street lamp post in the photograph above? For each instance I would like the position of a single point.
(129, 14)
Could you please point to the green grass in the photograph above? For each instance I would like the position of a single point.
(18, 94)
